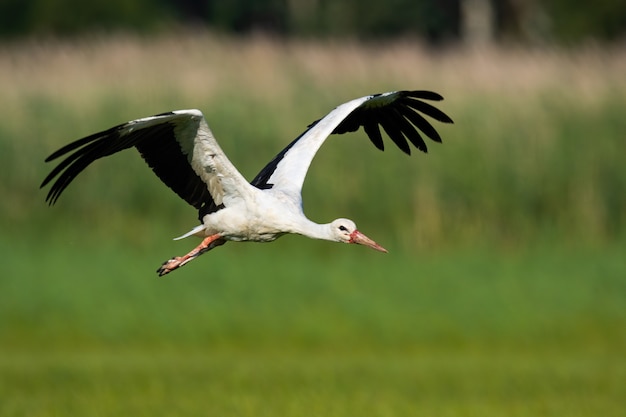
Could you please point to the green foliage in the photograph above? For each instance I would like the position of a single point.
(601, 20)
(66, 17)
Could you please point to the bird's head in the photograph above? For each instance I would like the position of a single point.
(345, 231)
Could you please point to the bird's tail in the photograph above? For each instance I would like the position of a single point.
(195, 231)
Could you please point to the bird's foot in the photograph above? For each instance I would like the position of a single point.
(176, 262)
(172, 264)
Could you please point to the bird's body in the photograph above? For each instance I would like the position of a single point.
(181, 150)
(254, 217)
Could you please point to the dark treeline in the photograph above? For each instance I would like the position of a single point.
(433, 20)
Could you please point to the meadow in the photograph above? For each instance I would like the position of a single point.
(503, 292)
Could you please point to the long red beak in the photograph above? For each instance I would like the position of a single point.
(360, 239)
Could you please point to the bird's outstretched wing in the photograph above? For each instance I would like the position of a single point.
(178, 146)
(397, 112)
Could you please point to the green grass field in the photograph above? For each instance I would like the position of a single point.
(503, 293)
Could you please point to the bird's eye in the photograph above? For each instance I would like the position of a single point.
(343, 228)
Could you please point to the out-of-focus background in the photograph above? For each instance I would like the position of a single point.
(504, 291)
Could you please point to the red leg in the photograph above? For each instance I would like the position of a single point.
(206, 245)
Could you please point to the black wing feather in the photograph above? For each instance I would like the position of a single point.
(427, 109)
(373, 132)
(389, 122)
(423, 94)
(87, 150)
(420, 122)
(400, 118)
(409, 130)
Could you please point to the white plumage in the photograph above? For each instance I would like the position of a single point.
(182, 151)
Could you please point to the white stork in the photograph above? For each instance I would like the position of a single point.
(182, 152)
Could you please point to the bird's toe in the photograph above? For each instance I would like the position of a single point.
(169, 265)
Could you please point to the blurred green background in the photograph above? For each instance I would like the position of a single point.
(505, 286)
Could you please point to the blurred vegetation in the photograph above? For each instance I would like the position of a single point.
(502, 294)
(432, 20)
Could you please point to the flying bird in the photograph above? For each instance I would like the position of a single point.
(182, 151)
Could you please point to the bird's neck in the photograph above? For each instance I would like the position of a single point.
(315, 230)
